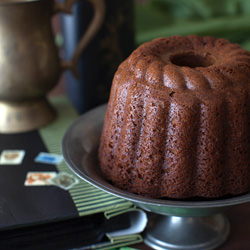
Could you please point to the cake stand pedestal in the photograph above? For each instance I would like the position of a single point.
(172, 224)
(186, 232)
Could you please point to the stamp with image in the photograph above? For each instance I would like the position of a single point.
(64, 180)
(12, 157)
(39, 178)
(49, 158)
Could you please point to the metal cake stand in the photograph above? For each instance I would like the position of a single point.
(172, 224)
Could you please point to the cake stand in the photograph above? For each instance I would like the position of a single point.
(172, 224)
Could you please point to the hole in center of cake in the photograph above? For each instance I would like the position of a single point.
(192, 60)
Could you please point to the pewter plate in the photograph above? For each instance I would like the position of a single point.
(79, 148)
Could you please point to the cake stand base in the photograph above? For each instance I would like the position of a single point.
(186, 233)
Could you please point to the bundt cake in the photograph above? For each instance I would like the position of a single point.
(178, 120)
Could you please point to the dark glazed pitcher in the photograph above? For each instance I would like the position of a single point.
(112, 44)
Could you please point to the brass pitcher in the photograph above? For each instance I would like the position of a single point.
(29, 62)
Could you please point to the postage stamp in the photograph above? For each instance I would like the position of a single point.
(12, 157)
(49, 158)
(64, 180)
(39, 178)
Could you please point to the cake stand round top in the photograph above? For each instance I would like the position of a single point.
(79, 147)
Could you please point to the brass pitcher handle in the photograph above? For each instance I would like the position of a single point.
(97, 20)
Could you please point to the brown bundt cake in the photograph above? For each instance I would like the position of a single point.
(178, 120)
